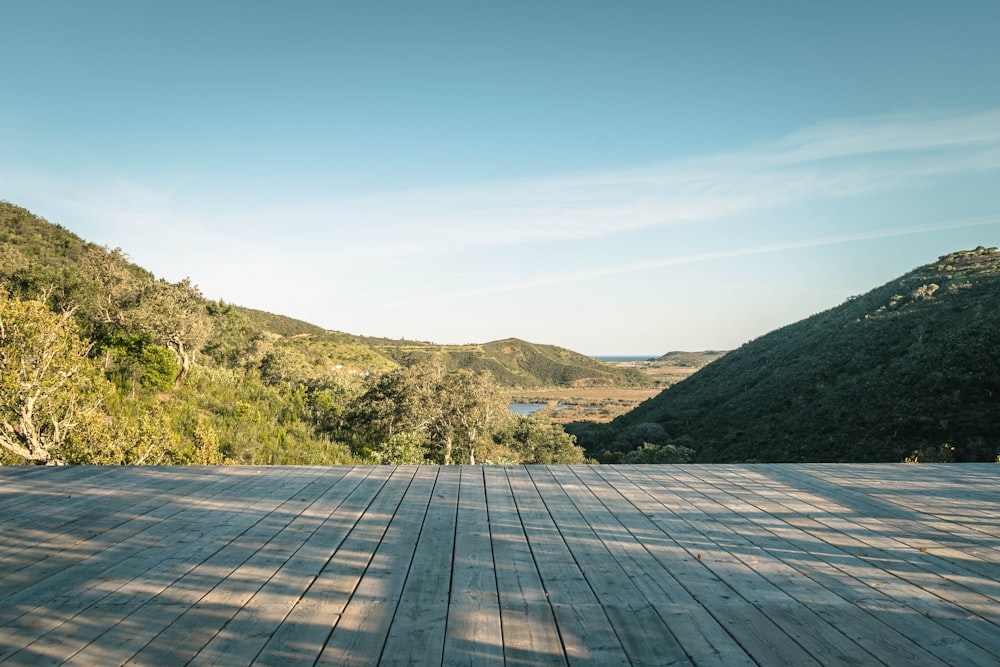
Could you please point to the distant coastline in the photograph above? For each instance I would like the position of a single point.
(625, 358)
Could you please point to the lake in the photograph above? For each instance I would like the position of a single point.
(525, 409)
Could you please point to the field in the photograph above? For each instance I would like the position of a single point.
(564, 405)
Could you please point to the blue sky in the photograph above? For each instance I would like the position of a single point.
(612, 177)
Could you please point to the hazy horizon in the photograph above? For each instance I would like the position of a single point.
(611, 178)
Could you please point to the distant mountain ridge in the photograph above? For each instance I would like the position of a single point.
(911, 365)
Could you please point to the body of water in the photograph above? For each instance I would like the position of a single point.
(621, 359)
(525, 409)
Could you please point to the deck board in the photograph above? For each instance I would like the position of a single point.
(469, 565)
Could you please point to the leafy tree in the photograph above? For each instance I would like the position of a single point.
(469, 405)
(282, 366)
(386, 408)
(133, 359)
(132, 433)
(536, 440)
(112, 289)
(451, 411)
(176, 315)
(49, 389)
(401, 449)
(234, 340)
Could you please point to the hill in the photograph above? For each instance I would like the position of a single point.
(101, 362)
(681, 359)
(911, 365)
(37, 255)
(279, 325)
(518, 363)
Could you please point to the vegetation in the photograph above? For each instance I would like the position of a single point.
(894, 374)
(103, 363)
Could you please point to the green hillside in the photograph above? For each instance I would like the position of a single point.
(278, 324)
(101, 362)
(911, 365)
(517, 363)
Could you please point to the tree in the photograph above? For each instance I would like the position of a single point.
(471, 403)
(114, 287)
(124, 297)
(384, 409)
(447, 410)
(283, 366)
(536, 440)
(176, 316)
(48, 386)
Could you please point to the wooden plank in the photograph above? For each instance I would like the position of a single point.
(216, 588)
(86, 511)
(474, 633)
(356, 531)
(911, 553)
(645, 637)
(531, 636)
(44, 606)
(132, 534)
(796, 570)
(587, 634)
(260, 617)
(71, 620)
(361, 632)
(766, 564)
(701, 636)
(732, 594)
(417, 633)
(956, 634)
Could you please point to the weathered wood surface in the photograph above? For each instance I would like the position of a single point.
(642, 565)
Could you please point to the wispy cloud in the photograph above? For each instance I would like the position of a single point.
(697, 258)
(827, 161)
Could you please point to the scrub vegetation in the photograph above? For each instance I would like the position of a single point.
(103, 363)
(908, 371)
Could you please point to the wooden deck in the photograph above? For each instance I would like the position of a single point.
(647, 565)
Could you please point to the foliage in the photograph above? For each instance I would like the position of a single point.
(234, 342)
(650, 453)
(691, 359)
(944, 453)
(448, 410)
(279, 325)
(50, 391)
(133, 360)
(131, 433)
(449, 416)
(533, 439)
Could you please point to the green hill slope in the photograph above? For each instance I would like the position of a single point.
(517, 363)
(163, 375)
(912, 364)
(37, 255)
(280, 325)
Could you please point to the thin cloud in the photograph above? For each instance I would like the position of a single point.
(827, 161)
(834, 160)
(666, 262)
